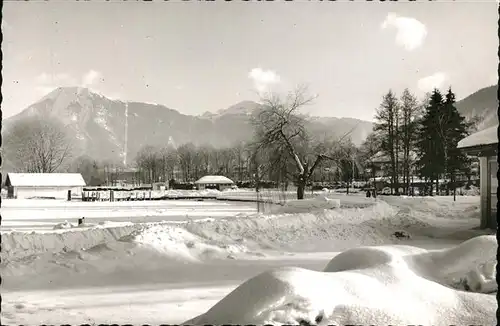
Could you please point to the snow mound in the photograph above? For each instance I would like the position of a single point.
(308, 205)
(177, 243)
(65, 237)
(63, 225)
(371, 285)
(150, 247)
(342, 228)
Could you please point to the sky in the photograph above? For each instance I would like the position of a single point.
(206, 56)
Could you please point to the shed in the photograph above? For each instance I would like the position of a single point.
(43, 185)
(484, 144)
(214, 182)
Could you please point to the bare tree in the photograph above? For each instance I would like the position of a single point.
(279, 127)
(410, 112)
(239, 155)
(186, 153)
(370, 147)
(387, 126)
(206, 153)
(38, 145)
(169, 160)
(89, 169)
(147, 161)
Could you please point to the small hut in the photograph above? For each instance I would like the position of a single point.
(484, 144)
(218, 182)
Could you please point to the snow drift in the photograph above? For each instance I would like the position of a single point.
(339, 229)
(308, 205)
(65, 237)
(370, 285)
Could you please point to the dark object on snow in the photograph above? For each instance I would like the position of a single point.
(401, 235)
(368, 194)
(80, 220)
(69, 195)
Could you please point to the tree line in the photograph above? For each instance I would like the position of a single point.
(410, 137)
(419, 138)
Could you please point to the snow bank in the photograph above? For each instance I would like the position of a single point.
(323, 201)
(150, 247)
(64, 225)
(16, 245)
(191, 240)
(177, 243)
(208, 238)
(342, 228)
(308, 205)
(375, 285)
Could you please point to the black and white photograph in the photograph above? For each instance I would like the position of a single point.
(249, 162)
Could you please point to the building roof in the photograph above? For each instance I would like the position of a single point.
(45, 179)
(214, 179)
(488, 136)
(381, 157)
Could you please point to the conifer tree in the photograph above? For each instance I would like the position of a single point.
(430, 154)
(452, 129)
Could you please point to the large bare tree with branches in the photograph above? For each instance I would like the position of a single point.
(280, 129)
(38, 145)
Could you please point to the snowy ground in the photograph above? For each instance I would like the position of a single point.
(170, 272)
(43, 214)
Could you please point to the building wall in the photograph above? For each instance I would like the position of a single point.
(494, 188)
(56, 192)
(488, 190)
(220, 186)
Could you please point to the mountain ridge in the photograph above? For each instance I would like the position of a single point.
(99, 124)
(483, 103)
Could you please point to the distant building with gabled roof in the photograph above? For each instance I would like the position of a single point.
(43, 185)
(214, 182)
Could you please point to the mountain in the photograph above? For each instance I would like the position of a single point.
(483, 103)
(99, 124)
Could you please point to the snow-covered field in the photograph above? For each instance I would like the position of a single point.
(43, 214)
(221, 262)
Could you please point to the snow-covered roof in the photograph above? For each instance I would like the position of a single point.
(214, 179)
(487, 136)
(381, 157)
(45, 179)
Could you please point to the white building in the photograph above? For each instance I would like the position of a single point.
(214, 182)
(43, 185)
(484, 144)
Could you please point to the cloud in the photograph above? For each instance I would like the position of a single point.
(91, 77)
(46, 83)
(263, 79)
(428, 83)
(411, 33)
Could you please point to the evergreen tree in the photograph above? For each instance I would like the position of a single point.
(386, 126)
(430, 155)
(453, 128)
